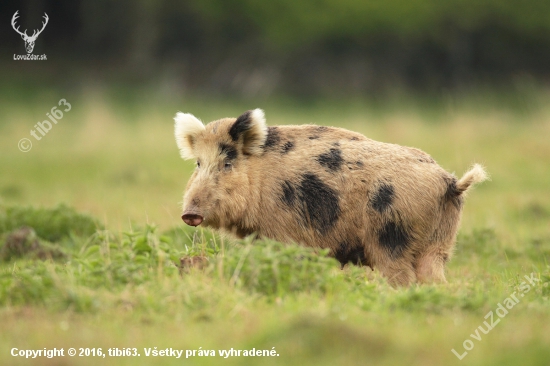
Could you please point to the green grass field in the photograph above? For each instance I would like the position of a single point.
(100, 267)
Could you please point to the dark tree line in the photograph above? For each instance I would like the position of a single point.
(304, 47)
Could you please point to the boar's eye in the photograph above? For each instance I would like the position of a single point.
(228, 165)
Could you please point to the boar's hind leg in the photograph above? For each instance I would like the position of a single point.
(431, 258)
(399, 272)
(430, 266)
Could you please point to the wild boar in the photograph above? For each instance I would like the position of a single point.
(377, 204)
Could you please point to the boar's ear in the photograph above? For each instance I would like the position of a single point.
(251, 126)
(187, 128)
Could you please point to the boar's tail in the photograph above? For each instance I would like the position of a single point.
(475, 175)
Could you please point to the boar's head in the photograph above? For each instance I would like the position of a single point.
(219, 192)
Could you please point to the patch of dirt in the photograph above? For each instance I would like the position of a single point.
(187, 263)
(24, 242)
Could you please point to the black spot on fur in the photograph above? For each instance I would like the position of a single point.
(319, 203)
(314, 137)
(383, 197)
(241, 231)
(354, 165)
(215, 126)
(452, 194)
(421, 156)
(289, 193)
(331, 159)
(273, 137)
(229, 150)
(424, 160)
(351, 251)
(354, 138)
(289, 145)
(394, 238)
(242, 124)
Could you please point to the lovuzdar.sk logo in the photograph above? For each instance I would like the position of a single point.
(29, 40)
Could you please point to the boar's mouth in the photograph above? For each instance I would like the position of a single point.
(192, 218)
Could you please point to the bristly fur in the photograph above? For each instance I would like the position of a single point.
(475, 175)
(186, 128)
(383, 205)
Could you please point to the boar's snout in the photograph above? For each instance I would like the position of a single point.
(192, 219)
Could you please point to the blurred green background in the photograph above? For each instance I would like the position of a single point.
(261, 48)
(466, 81)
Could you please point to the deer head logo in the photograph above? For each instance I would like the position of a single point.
(29, 41)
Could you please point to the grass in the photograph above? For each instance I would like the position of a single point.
(93, 253)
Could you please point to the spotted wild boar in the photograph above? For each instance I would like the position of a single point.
(381, 205)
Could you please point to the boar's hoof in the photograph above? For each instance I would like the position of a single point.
(192, 219)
